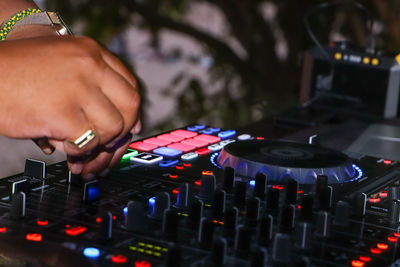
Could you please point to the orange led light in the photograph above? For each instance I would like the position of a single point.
(365, 258)
(207, 173)
(382, 246)
(357, 263)
(34, 237)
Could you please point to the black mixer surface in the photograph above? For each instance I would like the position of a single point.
(175, 201)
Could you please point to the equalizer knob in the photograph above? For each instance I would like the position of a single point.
(170, 223)
(229, 178)
(325, 198)
(135, 219)
(174, 256)
(273, 200)
(303, 238)
(265, 230)
(106, 227)
(306, 205)
(360, 203)
(243, 241)
(260, 185)
(239, 196)
(185, 197)
(342, 214)
(218, 207)
(218, 252)
(287, 218)
(158, 205)
(196, 212)
(323, 224)
(206, 232)
(208, 184)
(281, 249)
(252, 210)
(258, 258)
(230, 221)
(394, 212)
(292, 189)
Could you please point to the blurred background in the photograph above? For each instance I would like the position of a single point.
(224, 63)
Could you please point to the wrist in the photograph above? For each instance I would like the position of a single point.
(30, 31)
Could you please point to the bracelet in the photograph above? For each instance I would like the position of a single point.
(7, 26)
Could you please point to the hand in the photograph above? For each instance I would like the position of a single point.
(58, 88)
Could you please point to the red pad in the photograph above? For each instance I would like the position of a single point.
(143, 146)
(210, 139)
(203, 151)
(170, 137)
(184, 133)
(157, 141)
(195, 142)
(183, 147)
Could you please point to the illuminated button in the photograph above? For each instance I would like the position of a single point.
(227, 134)
(244, 137)
(183, 133)
(192, 128)
(375, 62)
(173, 176)
(168, 163)
(277, 186)
(375, 251)
(189, 156)
(42, 222)
(98, 220)
(147, 158)
(366, 60)
(34, 237)
(196, 128)
(210, 139)
(175, 191)
(142, 264)
(396, 234)
(197, 183)
(130, 153)
(180, 166)
(203, 151)
(182, 147)
(119, 259)
(207, 173)
(187, 165)
(215, 147)
(387, 162)
(226, 142)
(75, 230)
(338, 56)
(382, 246)
(383, 194)
(170, 137)
(3, 229)
(195, 142)
(168, 152)
(365, 258)
(374, 200)
(157, 141)
(357, 263)
(392, 239)
(207, 131)
(92, 253)
(142, 146)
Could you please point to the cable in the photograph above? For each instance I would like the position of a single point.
(313, 10)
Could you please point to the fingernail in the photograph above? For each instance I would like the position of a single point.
(137, 128)
(105, 172)
(89, 176)
(76, 167)
(48, 150)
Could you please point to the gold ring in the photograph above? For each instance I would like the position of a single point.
(84, 139)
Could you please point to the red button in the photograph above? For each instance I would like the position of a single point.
(34, 237)
(396, 234)
(142, 264)
(198, 182)
(98, 220)
(184, 133)
(382, 246)
(175, 191)
(375, 251)
(173, 176)
(157, 141)
(75, 230)
(207, 173)
(42, 222)
(143, 146)
(392, 239)
(357, 263)
(365, 258)
(119, 258)
(170, 137)
(3, 229)
(208, 138)
(374, 200)
(203, 151)
(182, 147)
(194, 142)
(187, 165)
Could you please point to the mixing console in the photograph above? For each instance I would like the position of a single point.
(202, 196)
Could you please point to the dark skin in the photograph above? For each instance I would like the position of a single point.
(70, 85)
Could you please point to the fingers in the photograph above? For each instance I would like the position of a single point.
(44, 145)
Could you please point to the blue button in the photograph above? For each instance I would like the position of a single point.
(227, 134)
(208, 131)
(168, 163)
(167, 152)
(215, 130)
(92, 253)
(192, 128)
(200, 126)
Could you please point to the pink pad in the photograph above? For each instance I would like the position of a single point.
(170, 137)
(194, 142)
(143, 146)
(184, 133)
(183, 147)
(157, 141)
(210, 139)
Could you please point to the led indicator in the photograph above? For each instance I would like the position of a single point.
(179, 167)
(392, 239)
(382, 246)
(252, 183)
(92, 253)
(75, 230)
(3, 229)
(42, 222)
(175, 191)
(130, 154)
(142, 264)
(277, 186)
(207, 173)
(396, 234)
(365, 258)
(300, 191)
(34, 237)
(374, 200)
(375, 251)
(387, 162)
(187, 165)
(259, 138)
(357, 263)
(119, 259)
(383, 194)
(213, 158)
(173, 176)
(125, 210)
(98, 220)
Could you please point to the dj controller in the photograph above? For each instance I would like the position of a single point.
(202, 196)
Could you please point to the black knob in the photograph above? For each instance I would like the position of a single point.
(281, 249)
(135, 219)
(35, 169)
(323, 224)
(359, 205)
(174, 256)
(239, 196)
(18, 201)
(292, 189)
(260, 186)
(258, 257)
(394, 212)
(91, 191)
(342, 213)
(158, 205)
(230, 221)
(306, 207)
(287, 218)
(322, 182)
(218, 206)
(303, 236)
(265, 230)
(252, 210)
(218, 252)
(170, 223)
(185, 197)
(229, 178)
(325, 198)
(206, 232)
(196, 212)
(273, 199)
(20, 185)
(106, 226)
(243, 241)
(207, 188)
